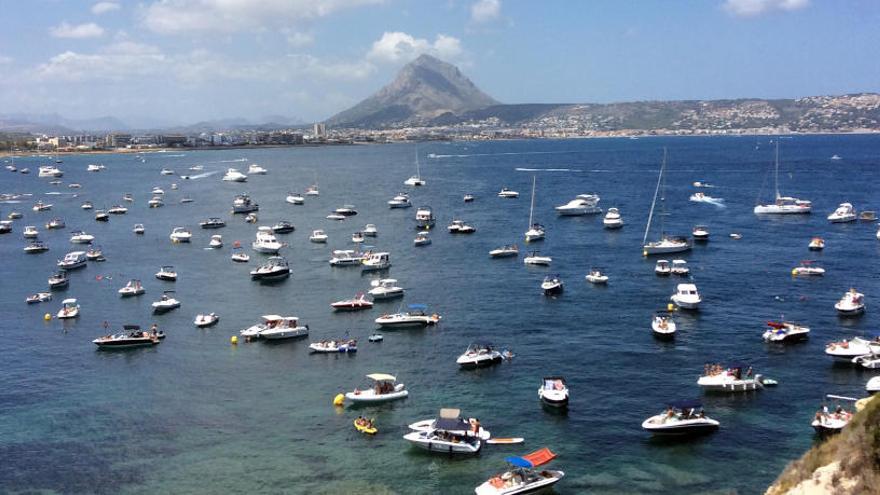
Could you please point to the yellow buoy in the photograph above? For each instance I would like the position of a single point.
(670, 307)
(794, 271)
(47, 317)
(233, 340)
(339, 400)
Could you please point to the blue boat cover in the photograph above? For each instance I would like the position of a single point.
(418, 306)
(518, 462)
(687, 404)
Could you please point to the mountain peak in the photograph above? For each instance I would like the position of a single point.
(423, 89)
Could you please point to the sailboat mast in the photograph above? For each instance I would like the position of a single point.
(776, 175)
(654, 202)
(418, 170)
(532, 207)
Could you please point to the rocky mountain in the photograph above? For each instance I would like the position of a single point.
(423, 90)
(56, 124)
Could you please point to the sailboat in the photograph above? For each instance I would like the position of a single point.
(784, 205)
(536, 230)
(667, 243)
(416, 180)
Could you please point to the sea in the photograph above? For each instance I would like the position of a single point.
(198, 414)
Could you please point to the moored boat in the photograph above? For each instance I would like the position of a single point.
(132, 336)
(553, 391)
(681, 418)
(521, 476)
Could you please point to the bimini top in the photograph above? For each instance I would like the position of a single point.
(418, 306)
(382, 377)
(131, 327)
(686, 404)
(535, 459)
(451, 424)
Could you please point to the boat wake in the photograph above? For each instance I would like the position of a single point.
(203, 175)
(237, 160)
(521, 169)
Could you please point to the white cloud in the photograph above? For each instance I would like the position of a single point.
(298, 39)
(397, 46)
(228, 16)
(485, 10)
(78, 31)
(5, 60)
(104, 7)
(751, 8)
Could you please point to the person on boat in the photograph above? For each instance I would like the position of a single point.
(154, 330)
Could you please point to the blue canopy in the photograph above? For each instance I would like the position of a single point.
(686, 404)
(418, 306)
(518, 462)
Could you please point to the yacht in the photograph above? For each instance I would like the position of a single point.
(165, 303)
(274, 268)
(662, 267)
(667, 243)
(536, 230)
(384, 388)
(700, 233)
(138, 229)
(318, 236)
(449, 435)
(166, 171)
(346, 211)
(216, 241)
(507, 193)
(553, 391)
(212, 223)
(681, 418)
(808, 269)
(422, 238)
(552, 285)
(370, 230)
(238, 255)
(843, 214)
(295, 198)
(287, 327)
(504, 251)
(612, 219)
(583, 204)
(94, 168)
(416, 180)
(478, 355)
(87, 205)
(816, 244)
(357, 303)
(460, 227)
(167, 273)
(243, 204)
(131, 336)
(334, 346)
(522, 476)
(155, 202)
(783, 205)
(30, 232)
(180, 234)
(39, 297)
(734, 378)
(852, 303)
(233, 175)
(686, 296)
(94, 253)
(256, 169)
(534, 258)
(679, 267)
(69, 309)
(377, 261)
(400, 201)
(40, 206)
(415, 317)
(132, 288)
(346, 257)
(385, 288)
(424, 218)
(102, 216)
(50, 171)
(73, 260)
(206, 320)
(785, 331)
(357, 237)
(663, 325)
(266, 242)
(596, 277)
(59, 279)
(35, 247)
(117, 210)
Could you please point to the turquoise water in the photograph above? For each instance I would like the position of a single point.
(198, 415)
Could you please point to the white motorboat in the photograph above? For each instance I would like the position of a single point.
(166, 171)
(266, 242)
(166, 303)
(701, 197)
(39, 297)
(829, 423)
(206, 320)
(584, 204)
(681, 418)
(596, 277)
(385, 388)
(460, 227)
(534, 258)
(233, 175)
(50, 171)
(843, 214)
(157, 191)
(686, 296)
(415, 317)
(132, 288)
(680, 267)
(507, 193)
(400, 201)
(30, 232)
(845, 350)
(35, 247)
(475, 427)
(852, 303)
(58, 280)
(376, 262)
(256, 169)
(449, 435)
(295, 198)
(167, 272)
(816, 244)
(87, 205)
(55, 223)
(868, 361)
(376, 337)
(667, 243)
(242, 204)
(469, 198)
(216, 241)
(785, 331)
(94, 253)
(783, 205)
(702, 184)
(94, 167)
(505, 251)
(478, 355)
(357, 303)
(73, 260)
(155, 202)
(521, 476)
(334, 346)
(700, 233)
(313, 190)
(662, 267)
(384, 289)
(14, 215)
(873, 385)
(553, 391)
(5, 226)
(416, 180)
(536, 230)
(117, 210)
(41, 206)
(318, 236)
(346, 211)
(287, 327)
(357, 237)
(422, 238)
(128, 197)
(102, 216)
(663, 325)
(552, 285)
(612, 219)
(335, 216)
(268, 322)
(180, 234)
(424, 218)
(131, 337)
(69, 309)
(238, 255)
(275, 268)
(734, 378)
(808, 269)
(212, 223)
(138, 229)
(346, 257)
(370, 230)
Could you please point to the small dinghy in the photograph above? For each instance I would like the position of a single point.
(206, 320)
(385, 388)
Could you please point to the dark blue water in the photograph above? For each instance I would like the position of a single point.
(198, 415)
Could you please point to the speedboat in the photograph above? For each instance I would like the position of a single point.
(132, 288)
(312, 190)
(734, 378)
(385, 288)
(138, 229)
(553, 391)
(667, 244)
(206, 320)
(843, 214)
(216, 241)
(35, 247)
(55, 223)
(102, 216)
(415, 317)
(357, 237)
(157, 191)
(238, 255)
(460, 227)
(700, 233)
(40, 206)
(686, 296)
(50, 171)
(596, 277)
(522, 477)
(167, 272)
(283, 227)
(357, 303)
(701, 197)
(868, 361)
(534, 258)
(69, 309)
(5, 226)
(422, 239)
(128, 197)
(346, 257)
(384, 388)
(868, 216)
(808, 269)
(507, 193)
(424, 218)
(828, 423)
(30, 232)
(14, 215)
(94, 168)
(478, 355)
(662, 267)
(94, 253)
(256, 169)
(370, 230)
(180, 234)
(117, 210)
(504, 251)
(681, 418)
(469, 198)
(335, 216)
(817, 244)
(87, 205)
(286, 327)
(663, 325)
(233, 175)
(275, 268)
(212, 223)
(679, 267)
(852, 303)
(132, 336)
(449, 434)
(165, 303)
(346, 211)
(318, 236)
(376, 262)
(295, 198)
(612, 219)
(415, 180)
(197, 168)
(73, 260)
(400, 201)
(242, 204)
(476, 429)
(582, 205)
(266, 242)
(59, 279)
(376, 337)
(166, 171)
(785, 331)
(845, 350)
(334, 346)
(873, 385)
(552, 285)
(39, 297)
(155, 202)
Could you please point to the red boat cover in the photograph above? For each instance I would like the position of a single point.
(540, 457)
(776, 325)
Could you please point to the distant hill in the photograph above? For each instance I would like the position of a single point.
(56, 124)
(424, 89)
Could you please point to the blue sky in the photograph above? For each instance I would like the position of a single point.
(179, 61)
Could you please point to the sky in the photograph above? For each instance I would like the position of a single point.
(169, 62)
